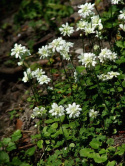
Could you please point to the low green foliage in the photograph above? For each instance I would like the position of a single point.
(83, 107)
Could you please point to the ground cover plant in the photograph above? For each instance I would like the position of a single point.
(80, 111)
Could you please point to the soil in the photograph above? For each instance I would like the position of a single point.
(13, 96)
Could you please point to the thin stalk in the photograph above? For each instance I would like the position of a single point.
(63, 133)
(100, 91)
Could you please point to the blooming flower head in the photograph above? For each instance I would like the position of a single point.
(108, 76)
(57, 44)
(43, 79)
(19, 51)
(27, 75)
(38, 73)
(56, 110)
(93, 114)
(73, 110)
(60, 45)
(106, 54)
(122, 15)
(44, 52)
(89, 29)
(122, 26)
(37, 112)
(81, 25)
(87, 59)
(96, 22)
(66, 29)
(86, 10)
(115, 1)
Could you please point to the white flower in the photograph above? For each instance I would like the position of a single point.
(76, 76)
(44, 52)
(122, 15)
(115, 1)
(96, 22)
(38, 73)
(89, 29)
(96, 47)
(86, 10)
(43, 79)
(19, 51)
(81, 25)
(20, 63)
(73, 110)
(57, 44)
(25, 78)
(87, 59)
(93, 114)
(108, 76)
(37, 112)
(113, 74)
(122, 26)
(106, 54)
(66, 29)
(27, 75)
(60, 45)
(56, 110)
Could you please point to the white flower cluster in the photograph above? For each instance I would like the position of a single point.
(27, 75)
(122, 18)
(93, 114)
(122, 15)
(90, 22)
(115, 1)
(19, 51)
(56, 110)
(122, 26)
(87, 59)
(44, 52)
(86, 10)
(76, 76)
(66, 30)
(107, 54)
(39, 74)
(108, 76)
(72, 110)
(57, 45)
(37, 112)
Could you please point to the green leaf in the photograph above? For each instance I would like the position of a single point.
(11, 146)
(16, 135)
(110, 141)
(102, 151)
(4, 157)
(95, 144)
(49, 121)
(25, 164)
(40, 144)
(111, 163)
(85, 152)
(72, 145)
(54, 125)
(6, 141)
(30, 151)
(16, 161)
(80, 69)
(100, 159)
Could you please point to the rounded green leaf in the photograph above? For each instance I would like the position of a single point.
(40, 144)
(95, 144)
(16, 135)
(111, 163)
(4, 157)
(30, 151)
